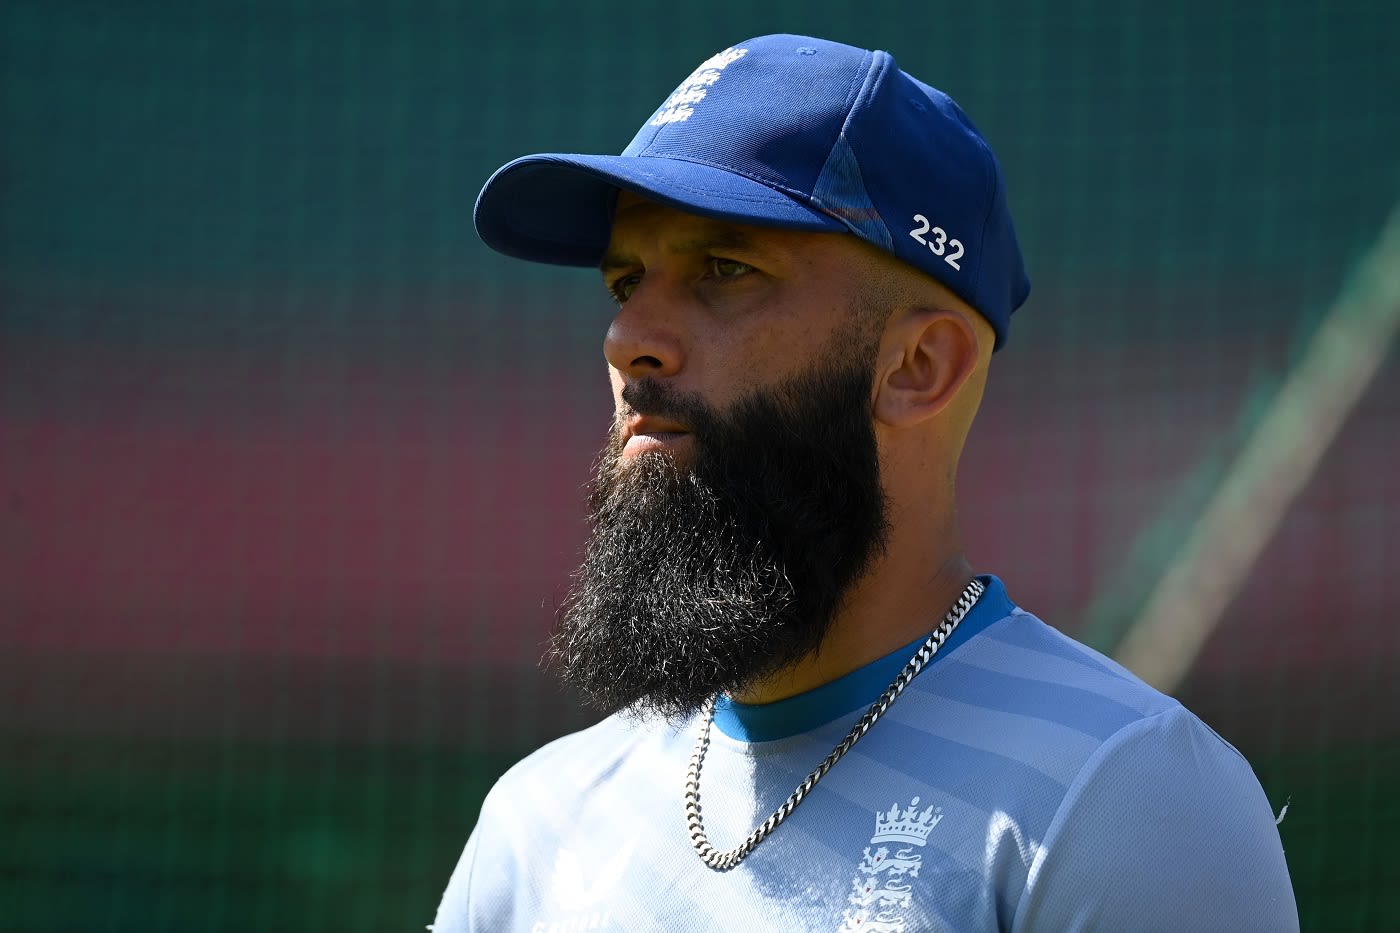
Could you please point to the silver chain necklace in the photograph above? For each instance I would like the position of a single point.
(723, 861)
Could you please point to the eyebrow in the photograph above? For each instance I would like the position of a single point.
(718, 238)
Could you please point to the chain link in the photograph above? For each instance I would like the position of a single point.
(723, 861)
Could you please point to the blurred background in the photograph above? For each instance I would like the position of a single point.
(291, 467)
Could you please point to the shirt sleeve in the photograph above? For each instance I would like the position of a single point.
(1165, 829)
(492, 890)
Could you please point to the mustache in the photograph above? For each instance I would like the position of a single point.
(650, 398)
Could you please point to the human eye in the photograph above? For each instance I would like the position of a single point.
(722, 268)
(621, 288)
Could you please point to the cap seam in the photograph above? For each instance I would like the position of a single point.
(868, 77)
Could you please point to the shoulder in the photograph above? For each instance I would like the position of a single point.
(555, 788)
(501, 878)
(1027, 693)
(1146, 809)
(569, 765)
(1021, 645)
(1068, 710)
(1166, 820)
(1020, 665)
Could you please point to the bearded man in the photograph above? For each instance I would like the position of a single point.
(821, 718)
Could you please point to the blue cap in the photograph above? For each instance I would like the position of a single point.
(792, 132)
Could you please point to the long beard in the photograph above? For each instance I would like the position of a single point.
(706, 578)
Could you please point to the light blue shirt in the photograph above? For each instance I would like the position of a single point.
(1023, 782)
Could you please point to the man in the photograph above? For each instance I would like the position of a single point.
(821, 718)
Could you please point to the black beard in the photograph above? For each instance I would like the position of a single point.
(706, 579)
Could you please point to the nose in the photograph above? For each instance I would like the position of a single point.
(645, 338)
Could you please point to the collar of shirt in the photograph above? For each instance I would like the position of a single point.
(767, 722)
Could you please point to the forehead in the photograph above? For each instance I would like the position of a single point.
(641, 224)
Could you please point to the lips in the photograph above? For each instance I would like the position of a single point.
(644, 433)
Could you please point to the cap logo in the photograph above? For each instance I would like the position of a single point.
(681, 104)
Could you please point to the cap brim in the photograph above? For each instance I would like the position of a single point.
(557, 208)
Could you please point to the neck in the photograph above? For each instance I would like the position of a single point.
(901, 597)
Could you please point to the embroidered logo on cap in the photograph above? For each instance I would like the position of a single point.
(681, 104)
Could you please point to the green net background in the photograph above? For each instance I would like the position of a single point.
(291, 466)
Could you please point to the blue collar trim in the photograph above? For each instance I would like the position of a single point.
(766, 722)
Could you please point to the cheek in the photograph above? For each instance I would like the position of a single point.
(780, 347)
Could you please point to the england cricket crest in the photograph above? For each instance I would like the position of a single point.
(681, 104)
(881, 892)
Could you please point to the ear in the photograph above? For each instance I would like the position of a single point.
(926, 356)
